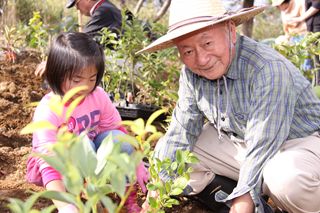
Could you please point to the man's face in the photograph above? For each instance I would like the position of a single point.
(84, 6)
(206, 52)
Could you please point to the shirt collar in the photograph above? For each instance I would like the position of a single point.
(233, 69)
(95, 7)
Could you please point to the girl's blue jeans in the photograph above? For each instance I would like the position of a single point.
(125, 147)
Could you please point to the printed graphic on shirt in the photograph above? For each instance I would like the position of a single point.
(87, 122)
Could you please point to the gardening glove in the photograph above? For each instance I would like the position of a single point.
(69, 208)
(142, 176)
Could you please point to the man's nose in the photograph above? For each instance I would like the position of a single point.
(202, 58)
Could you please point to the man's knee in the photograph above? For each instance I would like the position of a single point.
(295, 192)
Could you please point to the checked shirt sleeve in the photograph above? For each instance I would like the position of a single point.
(185, 127)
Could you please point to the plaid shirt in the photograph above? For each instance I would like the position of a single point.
(263, 100)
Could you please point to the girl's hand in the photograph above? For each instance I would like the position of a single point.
(142, 176)
(40, 68)
(69, 208)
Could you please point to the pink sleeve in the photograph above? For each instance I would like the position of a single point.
(42, 138)
(49, 174)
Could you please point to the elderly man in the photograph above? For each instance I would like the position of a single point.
(263, 128)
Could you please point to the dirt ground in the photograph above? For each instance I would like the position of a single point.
(18, 88)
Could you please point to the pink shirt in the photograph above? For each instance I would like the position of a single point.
(95, 113)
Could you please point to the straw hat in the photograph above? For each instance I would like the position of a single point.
(187, 16)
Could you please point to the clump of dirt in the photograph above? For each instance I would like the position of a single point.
(19, 87)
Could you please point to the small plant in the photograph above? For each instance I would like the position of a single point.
(38, 35)
(178, 169)
(151, 78)
(89, 177)
(297, 53)
(167, 191)
(92, 177)
(12, 41)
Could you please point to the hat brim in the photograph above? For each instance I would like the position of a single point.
(166, 41)
(70, 4)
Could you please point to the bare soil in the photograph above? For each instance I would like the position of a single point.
(19, 87)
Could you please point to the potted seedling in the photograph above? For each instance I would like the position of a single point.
(134, 82)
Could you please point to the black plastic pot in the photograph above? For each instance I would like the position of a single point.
(134, 111)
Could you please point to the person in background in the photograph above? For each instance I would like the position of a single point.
(294, 32)
(244, 110)
(312, 17)
(102, 14)
(74, 60)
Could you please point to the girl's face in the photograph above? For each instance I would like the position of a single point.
(86, 77)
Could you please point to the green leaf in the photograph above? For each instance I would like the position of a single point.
(152, 202)
(180, 182)
(55, 162)
(176, 191)
(72, 106)
(138, 127)
(192, 159)
(107, 203)
(154, 116)
(151, 128)
(103, 153)
(316, 90)
(151, 187)
(124, 138)
(172, 202)
(83, 156)
(30, 202)
(48, 209)
(15, 205)
(73, 180)
(56, 105)
(36, 126)
(118, 182)
(71, 93)
(174, 166)
(155, 136)
(61, 196)
(179, 156)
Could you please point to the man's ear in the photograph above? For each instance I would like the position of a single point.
(233, 31)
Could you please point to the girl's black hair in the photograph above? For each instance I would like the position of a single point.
(69, 54)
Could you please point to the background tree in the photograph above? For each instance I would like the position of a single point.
(247, 27)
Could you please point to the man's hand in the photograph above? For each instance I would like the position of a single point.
(242, 204)
(145, 206)
(40, 68)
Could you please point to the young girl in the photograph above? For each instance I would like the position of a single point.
(74, 60)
